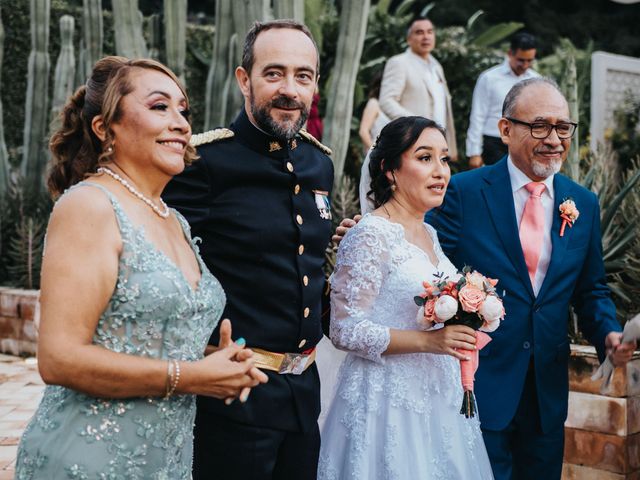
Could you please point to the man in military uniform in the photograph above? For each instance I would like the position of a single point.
(259, 199)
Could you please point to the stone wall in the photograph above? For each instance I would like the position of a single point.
(19, 314)
(602, 431)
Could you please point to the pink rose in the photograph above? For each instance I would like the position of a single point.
(471, 298)
(430, 310)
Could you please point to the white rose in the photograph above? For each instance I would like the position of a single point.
(446, 307)
(489, 326)
(491, 309)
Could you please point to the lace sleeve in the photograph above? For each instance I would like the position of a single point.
(361, 266)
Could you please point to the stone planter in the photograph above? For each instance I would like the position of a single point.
(602, 432)
(19, 316)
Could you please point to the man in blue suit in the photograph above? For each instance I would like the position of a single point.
(522, 382)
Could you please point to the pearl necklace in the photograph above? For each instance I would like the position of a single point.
(132, 189)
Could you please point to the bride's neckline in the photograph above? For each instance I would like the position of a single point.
(427, 255)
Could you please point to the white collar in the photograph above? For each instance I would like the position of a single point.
(519, 179)
(507, 70)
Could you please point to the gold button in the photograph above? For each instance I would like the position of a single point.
(306, 312)
(299, 219)
(302, 343)
(305, 280)
(300, 249)
(296, 189)
(290, 166)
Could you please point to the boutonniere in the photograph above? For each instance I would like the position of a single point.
(568, 213)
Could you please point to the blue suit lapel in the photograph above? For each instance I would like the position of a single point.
(562, 189)
(499, 197)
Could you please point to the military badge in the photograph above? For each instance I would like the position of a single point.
(323, 204)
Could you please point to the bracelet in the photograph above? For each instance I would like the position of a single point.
(168, 381)
(173, 377)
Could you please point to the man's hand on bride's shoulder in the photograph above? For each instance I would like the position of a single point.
(343, 228)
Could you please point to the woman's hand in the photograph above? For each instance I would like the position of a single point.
(446, 340)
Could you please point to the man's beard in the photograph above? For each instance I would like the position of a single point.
(545, 170)
(286, 129)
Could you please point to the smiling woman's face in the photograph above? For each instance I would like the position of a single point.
(423, 176)
(152, 130)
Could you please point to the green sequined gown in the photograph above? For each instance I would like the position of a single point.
(154, 313)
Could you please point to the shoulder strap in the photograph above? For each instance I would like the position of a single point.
(211, 136)
(314, 141)
(121, 217)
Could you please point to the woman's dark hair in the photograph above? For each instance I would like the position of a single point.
(75, 149)
(386, 155)
(374, 85)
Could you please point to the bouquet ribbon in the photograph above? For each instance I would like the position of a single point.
(467, 374)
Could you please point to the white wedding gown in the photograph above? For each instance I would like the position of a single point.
(393, 416)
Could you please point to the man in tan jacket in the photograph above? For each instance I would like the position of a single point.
(414, 83)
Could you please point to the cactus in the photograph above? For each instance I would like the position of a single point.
(4, 156)
(245, 12)
(64, 79)
(92, 35)
(37, 98)
(353, 26)
(289, 9)
(155, 36)
(569, 87)
(215, 102)
(127, 25)
(175, 33)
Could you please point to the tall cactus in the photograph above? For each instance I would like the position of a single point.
(92, 34)
(215, 102)
(569, 86)
(155, 36)
(245, 12)
(353, 26)
(127, 25)
(64, 79)
(175, 35)
(4, 156)
(289, 9)
(36, 111)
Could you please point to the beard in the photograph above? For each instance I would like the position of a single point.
(545, 170)
(285, 129)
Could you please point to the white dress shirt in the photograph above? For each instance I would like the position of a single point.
(436, 87)
(486, 107)
(520, 197)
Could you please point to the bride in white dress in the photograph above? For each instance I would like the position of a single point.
(396, 410)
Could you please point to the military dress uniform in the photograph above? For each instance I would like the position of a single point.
(261, 208)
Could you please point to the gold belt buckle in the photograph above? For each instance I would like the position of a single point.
(294, 363)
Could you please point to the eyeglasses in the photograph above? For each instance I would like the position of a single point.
(541, 130)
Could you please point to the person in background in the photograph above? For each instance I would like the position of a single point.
(371, 124)
(484, 145)
(413, 82)
(314, 122)
(127, 305)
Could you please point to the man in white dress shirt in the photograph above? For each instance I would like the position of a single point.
(413, 82)
(484, 146)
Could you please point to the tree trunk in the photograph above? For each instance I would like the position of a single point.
(127, 25)
(37, 99)
(337, 121)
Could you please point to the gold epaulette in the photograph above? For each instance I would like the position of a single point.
(314, 141)
(211, 136)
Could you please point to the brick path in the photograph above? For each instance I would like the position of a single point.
(20, 392)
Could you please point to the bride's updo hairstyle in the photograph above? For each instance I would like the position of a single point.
(386, 155)
(76, 151)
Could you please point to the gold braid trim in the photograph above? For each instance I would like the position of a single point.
(314, 141)
(211, 136)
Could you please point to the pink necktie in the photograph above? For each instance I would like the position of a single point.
(532, 227)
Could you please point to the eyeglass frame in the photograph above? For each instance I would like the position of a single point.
(554, 126)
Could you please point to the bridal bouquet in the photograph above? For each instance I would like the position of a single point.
(468, 299)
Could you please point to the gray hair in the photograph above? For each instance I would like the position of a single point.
(511, 99)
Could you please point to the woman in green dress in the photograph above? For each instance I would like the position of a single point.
(127, 305)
